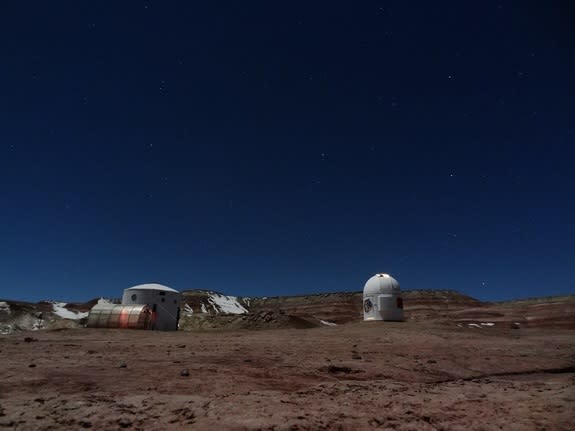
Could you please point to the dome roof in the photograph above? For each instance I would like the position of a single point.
(381, 283)
(153, 286)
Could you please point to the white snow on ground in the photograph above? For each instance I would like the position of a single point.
(204, 308)
(4, 307)
(59, 309)
(188, 310)
(226, 304)
(38, 324)
(479, 325)
(328, 323)
(6, 329)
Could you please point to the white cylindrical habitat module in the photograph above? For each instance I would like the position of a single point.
(162, 300)
(382, 299)
(120, 316)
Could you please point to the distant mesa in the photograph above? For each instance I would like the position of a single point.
(206, 310)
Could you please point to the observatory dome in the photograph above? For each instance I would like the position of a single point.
(381, 284)
(382, 299)
(153, 286)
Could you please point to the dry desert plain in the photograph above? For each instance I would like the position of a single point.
(361, 375)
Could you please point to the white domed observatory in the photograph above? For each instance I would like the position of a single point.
(162, 300)
(382, 299)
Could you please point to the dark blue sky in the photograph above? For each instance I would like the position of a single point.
(265, 148)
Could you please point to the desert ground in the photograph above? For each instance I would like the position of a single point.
(362, 375)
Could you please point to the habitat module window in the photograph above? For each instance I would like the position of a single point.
(162, 293)
(134, 297)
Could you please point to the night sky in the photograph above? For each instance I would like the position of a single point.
(278, 148)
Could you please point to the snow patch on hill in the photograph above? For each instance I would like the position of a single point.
(226, 304)
(188, 310)
(325, 322)
(59, 309)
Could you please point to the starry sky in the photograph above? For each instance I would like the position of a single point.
(282, 148)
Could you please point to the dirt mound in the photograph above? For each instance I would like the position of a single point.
(18, 316)
(257, 320)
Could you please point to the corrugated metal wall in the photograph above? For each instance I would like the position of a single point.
(120, 316)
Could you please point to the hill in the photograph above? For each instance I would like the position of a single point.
(209, 310)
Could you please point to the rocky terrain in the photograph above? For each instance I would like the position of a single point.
(289, 363)
(358, 376)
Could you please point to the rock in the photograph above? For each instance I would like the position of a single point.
(333, 369)
(30, 339)
(32, 366)
(515, 325)
(356, 356)
(181, 346)
(431, 361)
(125, 423)
(123, 365)
(86, 424)
(185, 372)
